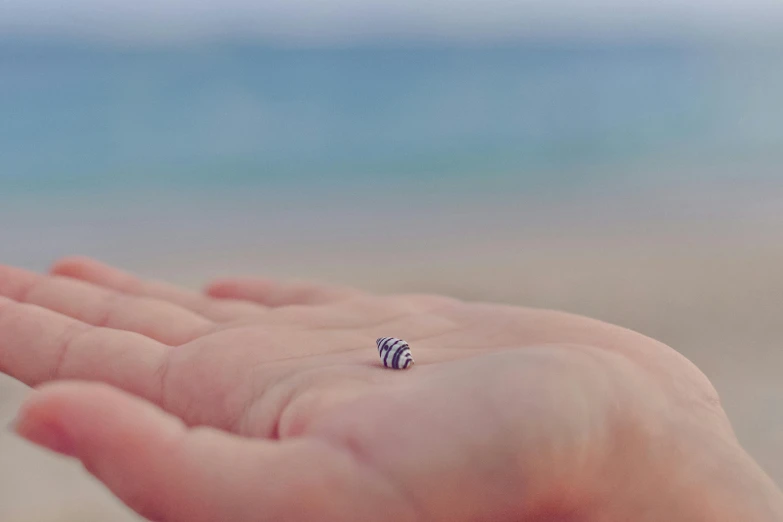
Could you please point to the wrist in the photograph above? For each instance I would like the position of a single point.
(736, 488)
(719, 482)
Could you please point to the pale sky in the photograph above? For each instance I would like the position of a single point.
(327, 21)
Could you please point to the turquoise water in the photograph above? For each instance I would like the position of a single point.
(222, 154)
(529, 117)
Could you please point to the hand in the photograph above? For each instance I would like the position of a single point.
(266, 401)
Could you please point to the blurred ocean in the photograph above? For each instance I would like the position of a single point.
(99, 141)
(234, 115)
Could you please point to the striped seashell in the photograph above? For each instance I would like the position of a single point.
(395, 353)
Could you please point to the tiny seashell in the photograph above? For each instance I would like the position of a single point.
(395, 353)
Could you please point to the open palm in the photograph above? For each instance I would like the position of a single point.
(277, 406)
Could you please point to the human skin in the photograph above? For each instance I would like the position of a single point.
(264, 400)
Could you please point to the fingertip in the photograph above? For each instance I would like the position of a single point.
(72, 266)
(96, 272)
(215, 288)
(53, 398)
(224, 288)
(271, 292)
(15, 282)
(65, 415)
(42, 419)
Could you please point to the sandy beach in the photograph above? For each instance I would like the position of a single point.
(713, 293)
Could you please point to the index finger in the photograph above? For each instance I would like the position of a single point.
(38, 345)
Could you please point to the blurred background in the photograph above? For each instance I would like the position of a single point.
(617, 158)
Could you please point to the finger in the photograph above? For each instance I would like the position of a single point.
(273, 293)
(412, 316)
(166, 472)
(101, 274)
(99, 306)
(38, 345)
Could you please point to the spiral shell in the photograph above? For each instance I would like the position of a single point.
(395, 353)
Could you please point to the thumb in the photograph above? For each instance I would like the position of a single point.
(169, 473)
